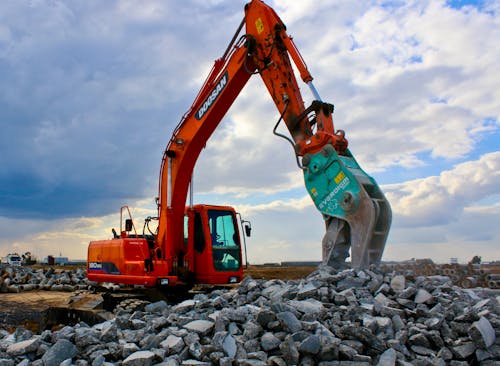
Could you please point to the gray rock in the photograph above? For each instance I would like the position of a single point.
(307, 291)
(445, 354)
(482, 333)
(397, 323)
(202, 327)
(365, 336)
(264, 317)
(407, 293)
(310, 346)
(23, 347)
(289, 352)
(183, 306)
(173, 344)
(423, 351)
(347, 352)
(195, 363)
(24, 362)
(422, 296)
(419, 340)
(138, 323)
(109, 332)
(464, 350)
(128, 349)
(251, 330)
(351, 282)
(398, 283)
(139, 358)
(98, 361)
(309, 306)
(156, 307)
(229, 346)
(60, 351)
(277, 361)
(387, 358)
(289, 321)
(269, 341)
(85, 337)
(196, 350)
(383, 300)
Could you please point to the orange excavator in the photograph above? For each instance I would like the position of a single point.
(201, 244)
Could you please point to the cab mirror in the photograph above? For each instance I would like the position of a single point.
(128, 225)
(248, 230)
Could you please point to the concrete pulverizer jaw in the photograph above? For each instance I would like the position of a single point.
(357, 214)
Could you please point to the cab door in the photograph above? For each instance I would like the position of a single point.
(216, 245)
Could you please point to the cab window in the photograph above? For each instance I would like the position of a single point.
(225, 240)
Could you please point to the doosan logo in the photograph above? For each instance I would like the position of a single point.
(212, 97)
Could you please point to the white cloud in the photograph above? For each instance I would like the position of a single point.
(474, 232)
(439, 200)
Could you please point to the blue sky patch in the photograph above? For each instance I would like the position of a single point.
(459, 4)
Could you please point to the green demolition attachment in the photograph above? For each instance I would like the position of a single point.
(357, 214)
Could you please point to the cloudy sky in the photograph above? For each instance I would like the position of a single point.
(91, 91)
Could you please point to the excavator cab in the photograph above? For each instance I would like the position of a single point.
(212, 236)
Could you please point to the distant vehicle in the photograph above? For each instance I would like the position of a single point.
(51, 260)
(12, 259)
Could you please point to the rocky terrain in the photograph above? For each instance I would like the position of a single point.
(20, 278)
(329, 318)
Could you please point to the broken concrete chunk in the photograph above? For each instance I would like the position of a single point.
(331, 318)
(269, 341)
(202, 327)
(482, 333)
(388, 358)
(139, 358)
(464, 350)
(289, 321)
(23, 347)
(60, 351)
(422, 296)
(173, 344)
(398, 283)
(229, 346)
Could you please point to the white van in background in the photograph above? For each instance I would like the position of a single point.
(12, 259)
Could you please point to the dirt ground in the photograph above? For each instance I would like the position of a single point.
(26, 308)
(282, 273)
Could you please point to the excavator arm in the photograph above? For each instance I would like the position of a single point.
(356, 213)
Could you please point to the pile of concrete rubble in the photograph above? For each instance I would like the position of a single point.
(19, 278)
(330, 318)
(466, 276)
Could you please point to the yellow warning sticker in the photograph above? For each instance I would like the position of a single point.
(260, 25)
(339, 177)
(314, 191)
